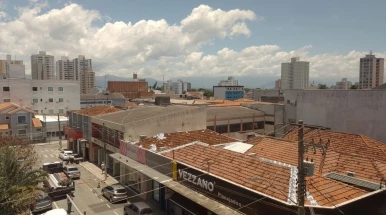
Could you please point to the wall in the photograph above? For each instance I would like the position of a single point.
(258, 93)
(129, 89)
(352, 111)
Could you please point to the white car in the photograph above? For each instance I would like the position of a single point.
(59, 211)
(66, 155)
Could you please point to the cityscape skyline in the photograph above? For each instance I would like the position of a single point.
(233, 48)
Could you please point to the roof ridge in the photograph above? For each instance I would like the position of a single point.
(376, 168)
(367, 144)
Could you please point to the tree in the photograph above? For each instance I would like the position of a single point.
(160, 88)
(19, 181)
(354, 87)
(208, 93)
(322, 86)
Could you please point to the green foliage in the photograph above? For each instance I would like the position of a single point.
(354, 87)
(160, 88)
(18, 180)
(208, 93)
(322, 86)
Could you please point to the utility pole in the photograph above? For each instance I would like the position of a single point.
(301, 175)
(105, 150)
(60, 133)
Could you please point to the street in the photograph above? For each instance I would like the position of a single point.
(87, 196)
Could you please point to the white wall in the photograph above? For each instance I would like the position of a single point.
(21, 93)
(352, 111)
(16, 71)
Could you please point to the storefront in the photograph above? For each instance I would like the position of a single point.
(100, 156)
(72, 136)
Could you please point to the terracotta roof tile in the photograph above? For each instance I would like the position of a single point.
(180, 138)
(97, 110)
(36, 123)
(6, 105)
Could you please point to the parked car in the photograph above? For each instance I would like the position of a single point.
(137, 208)
(58, 211)
(66, 155)
(71, 171)
(115, 193)
(41, 203)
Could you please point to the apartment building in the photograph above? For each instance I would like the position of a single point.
(343, 85)
(278, 84)
(371, 71)
(87, 80)
(231, 81)
(295, 74)
(228, 92)
(42, 66)
(12, 68)
(178, 87)
(65, 69)
(41, 96)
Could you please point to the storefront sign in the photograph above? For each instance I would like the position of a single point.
(132, 151)
(207, 185)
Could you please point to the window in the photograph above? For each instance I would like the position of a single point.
(22, 132)
(34, 88)
(38, 129)
(61, 111)
(51, 100)
(60, 89)
(51, 111)
(7, 117)
(6, 89)
(61, 99)
(34, 101)
(50, 89)
(21, 119)
(7, 100)
(156, 191)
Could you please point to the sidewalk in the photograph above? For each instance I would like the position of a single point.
(95, 170)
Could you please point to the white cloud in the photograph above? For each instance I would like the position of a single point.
(156, 48)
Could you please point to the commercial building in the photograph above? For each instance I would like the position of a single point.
(231, 81)
(137, 88)
(228, 92)
(371, 71)
(42, 66)
(50, 125)
(179, 87)
(102, 99)
(12, 68)
(353, 111)
(295, 74)
(343, 85)
(41, 96)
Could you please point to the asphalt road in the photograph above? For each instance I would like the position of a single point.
(87, 196)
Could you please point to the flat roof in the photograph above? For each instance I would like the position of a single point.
(231, 111)
(51, 118)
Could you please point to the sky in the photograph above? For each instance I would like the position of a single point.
(170, 38)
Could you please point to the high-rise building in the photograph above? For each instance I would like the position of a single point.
(12, 68)
(371, 70)
(81, 64)
(42, 66)
(87, 81)
(178, 87)
(231, 81)
(278, 84)
(295, 74)
(65, 69)
(343, 85)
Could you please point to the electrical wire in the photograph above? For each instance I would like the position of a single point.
(327, 199)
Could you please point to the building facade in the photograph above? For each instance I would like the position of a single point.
(42, 66)
(12, 68)
(65, 69)
(371, 71)
(41, 96)
(231, 81)
(87, 81)
(130, 89)
(228, 92)
(178, 87)
(343, 85)
(278, 84)
(101, 99)
(295, 74)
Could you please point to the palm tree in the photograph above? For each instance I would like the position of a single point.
(19, 181)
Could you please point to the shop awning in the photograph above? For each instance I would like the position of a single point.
(200, 199)
(36, 122)
(4, 127)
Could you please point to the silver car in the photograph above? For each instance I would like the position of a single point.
(71, 171)
(115, 193)
(137, 208)
(66, 155)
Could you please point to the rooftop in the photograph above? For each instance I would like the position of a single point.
(172, 140)
(101, 96)
(97, 110)
(142, 113)
(237, 111)
(51, 118)
(14, 108)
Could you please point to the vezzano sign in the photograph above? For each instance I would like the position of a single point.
(207, 185)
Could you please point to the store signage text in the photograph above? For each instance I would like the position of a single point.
(229, 200)
(196, 180)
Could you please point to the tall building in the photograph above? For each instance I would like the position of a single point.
(231, 81)
(295, 74)
(278, 84)
(87, 80)
(371, 70)
(42, 66)
(81, 64)
(65, 69)
(12, 68)
(343, 85)
(178, 87)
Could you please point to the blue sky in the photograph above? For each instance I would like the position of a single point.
(333, 28)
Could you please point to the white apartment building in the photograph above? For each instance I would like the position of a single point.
(295, 74)
(81, 64)
(42, 96)
(65, 69)
(178, 87)
(229, 82)
(343, 85)
(12, 68)
(42, 66)
(371, 71)
(87, 81)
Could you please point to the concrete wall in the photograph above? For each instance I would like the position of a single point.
(352, 111)
(258, 93)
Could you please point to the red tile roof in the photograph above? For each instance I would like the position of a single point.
(172, 140)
